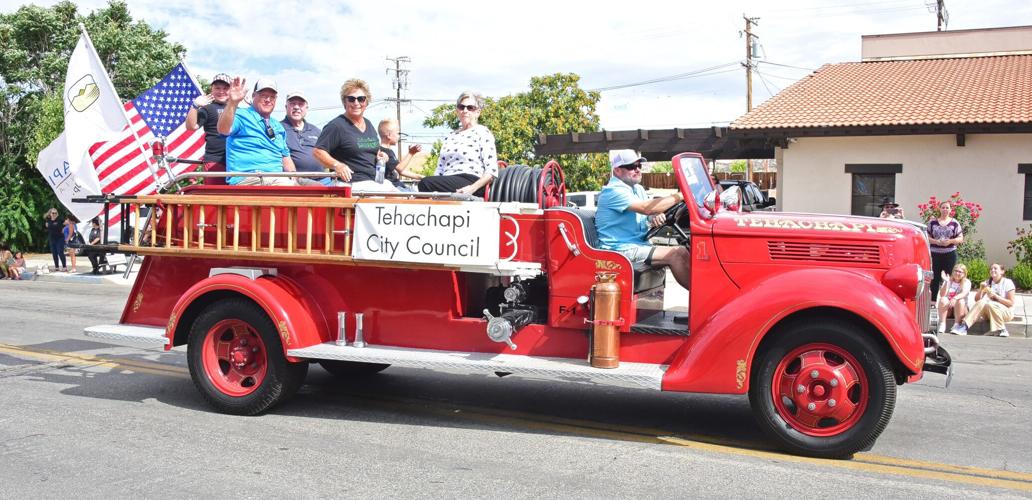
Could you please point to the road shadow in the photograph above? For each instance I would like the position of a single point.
(408, 396)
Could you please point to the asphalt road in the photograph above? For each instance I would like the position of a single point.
(85, 419)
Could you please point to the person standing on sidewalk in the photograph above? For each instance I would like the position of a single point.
(994, 300)
(944, 234)
(55, 236)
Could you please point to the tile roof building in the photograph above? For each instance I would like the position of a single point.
(922, 114)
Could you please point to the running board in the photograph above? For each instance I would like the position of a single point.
(634, 375)
(134, 334)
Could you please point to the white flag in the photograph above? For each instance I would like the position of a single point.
(92, 111)
(69, 180)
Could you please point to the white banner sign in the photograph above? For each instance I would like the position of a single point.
(435, 234)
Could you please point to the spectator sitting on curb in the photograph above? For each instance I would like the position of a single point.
(6, 260)
(953, 294)
(17, 266)
(995, 300)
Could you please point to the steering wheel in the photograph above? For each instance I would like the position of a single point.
(671, 215)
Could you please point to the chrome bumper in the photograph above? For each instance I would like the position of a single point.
(937, 359)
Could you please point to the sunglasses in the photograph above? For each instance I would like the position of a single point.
(467, 107)
(353, 98)
(269, 132)
(633, 166)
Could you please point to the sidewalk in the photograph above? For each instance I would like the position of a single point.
(35, 262)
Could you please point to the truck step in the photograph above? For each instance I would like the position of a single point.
(633, 375)
(149, 335)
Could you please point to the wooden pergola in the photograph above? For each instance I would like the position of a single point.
(717, 143)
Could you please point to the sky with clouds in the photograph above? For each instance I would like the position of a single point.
(496, 47)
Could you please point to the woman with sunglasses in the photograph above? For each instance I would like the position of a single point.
(55, 235)
(469, 160)
(349, 144)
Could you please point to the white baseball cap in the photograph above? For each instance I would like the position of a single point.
(621, 157)
(265, 83)
(297, 93)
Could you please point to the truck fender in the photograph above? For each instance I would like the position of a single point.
(297, 316)
(719, 357)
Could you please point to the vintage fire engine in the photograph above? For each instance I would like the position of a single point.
(818, 318)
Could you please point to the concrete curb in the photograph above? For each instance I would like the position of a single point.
(34, 262)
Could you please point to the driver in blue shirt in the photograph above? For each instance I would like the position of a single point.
(625, 213)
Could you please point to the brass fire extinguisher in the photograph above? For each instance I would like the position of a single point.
(606, 322)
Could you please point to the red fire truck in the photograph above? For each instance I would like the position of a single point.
(817, 318)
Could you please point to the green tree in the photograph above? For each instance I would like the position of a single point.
(738, 166)
(35, 45)
(554, 104)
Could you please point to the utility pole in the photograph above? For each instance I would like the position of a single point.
(400, 82)
(749, 41)
(943, 17)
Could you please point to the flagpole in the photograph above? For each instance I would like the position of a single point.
(121, 105)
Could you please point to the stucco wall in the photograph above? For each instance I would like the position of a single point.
(812, 178)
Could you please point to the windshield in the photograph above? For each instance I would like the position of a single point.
(699, 183)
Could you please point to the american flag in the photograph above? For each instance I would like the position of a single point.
(159, 111)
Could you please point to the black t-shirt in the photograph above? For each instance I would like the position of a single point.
(391, 169)
(214, 144)
(55, 228)
(346, 144)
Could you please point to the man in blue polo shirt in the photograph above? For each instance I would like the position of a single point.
(254, 141)
(625, 213)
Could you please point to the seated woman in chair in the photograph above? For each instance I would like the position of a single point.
(469, 159)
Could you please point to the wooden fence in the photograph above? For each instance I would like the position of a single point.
(765, 180)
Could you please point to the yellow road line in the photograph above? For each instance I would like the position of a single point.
(861, 462)
(88, 360)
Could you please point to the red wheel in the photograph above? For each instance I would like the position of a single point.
(236, 359)
(823, 388)
(552, 186)
(820, 389)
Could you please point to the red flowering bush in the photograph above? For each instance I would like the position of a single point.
(967, 214)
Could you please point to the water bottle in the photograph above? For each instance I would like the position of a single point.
(381, 167)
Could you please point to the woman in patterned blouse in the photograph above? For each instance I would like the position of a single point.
(944, 234)
(469, 160)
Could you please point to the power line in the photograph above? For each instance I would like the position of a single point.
(679, 76)
(787, 66)
(765, 83)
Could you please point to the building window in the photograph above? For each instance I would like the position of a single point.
(1026, 208)
(871, 183)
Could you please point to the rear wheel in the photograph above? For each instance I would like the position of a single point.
(236, 359)
(823, 389)
(352, 368)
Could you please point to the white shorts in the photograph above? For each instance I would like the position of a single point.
(640, 257)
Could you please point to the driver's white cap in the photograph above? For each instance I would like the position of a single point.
(621, 157)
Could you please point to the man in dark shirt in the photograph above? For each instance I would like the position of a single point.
(205, 113)
(301, 137)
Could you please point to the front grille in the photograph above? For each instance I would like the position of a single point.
(924, 309)
(824, 252)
